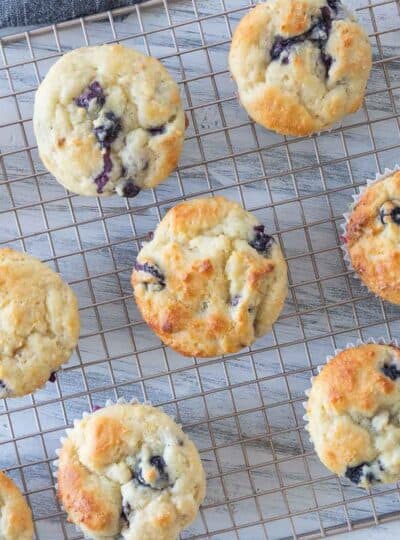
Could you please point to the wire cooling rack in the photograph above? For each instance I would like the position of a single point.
(243, 411)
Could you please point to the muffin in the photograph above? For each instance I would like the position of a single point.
(129, 472)
(353, 414)
(15, 514)
(372, 237)
(300, 66)
(211, 280)
(39, 323)
(109, 120)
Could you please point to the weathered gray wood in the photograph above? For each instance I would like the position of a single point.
(308, 204)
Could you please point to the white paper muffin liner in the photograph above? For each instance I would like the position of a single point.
(320, 367)
(346, 215)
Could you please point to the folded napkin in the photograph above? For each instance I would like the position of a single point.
(30, 12)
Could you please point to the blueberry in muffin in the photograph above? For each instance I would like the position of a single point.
(109, 120)
(134, 471)
(39, 323)
(352, 414)
(211, 280)
(372, 237)
(300, 66)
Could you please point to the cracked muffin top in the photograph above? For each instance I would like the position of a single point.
(129, 472)
(39, 323)
(15, 514)
(353, 414)
(211, 280)
(109, 120)
(372, 237)
(300, 66)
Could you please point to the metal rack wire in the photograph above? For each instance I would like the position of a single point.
(243, 411)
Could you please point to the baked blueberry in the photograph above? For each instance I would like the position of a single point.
(3, 389)
(53, 377)
(130, 190)
(93, 92)
(261, 241)
(358, 473)
(102, 179)
(391, 371)
(333, 4)
(327, 61)
(108, 130)
(283, 45)
(354, 474)
(235, 300)
(126, 510)
(159, 463)
(158, 130)
(317, 34)
(152, 270)
(390, 212)
(395, 215)
(162, 479)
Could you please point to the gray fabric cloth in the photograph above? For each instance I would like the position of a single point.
(29, 12)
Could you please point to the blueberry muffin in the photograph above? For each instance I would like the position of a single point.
(15, 514)
(353, 414)
(129, 472)
(109, 120)
(300, 66)
(39, 323)
(373, 237)
(211, 280)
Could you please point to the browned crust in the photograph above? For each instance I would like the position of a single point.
(106, 438)
(170, 148)
(181, 324)
(277, 109)
(37, 301)
(381, 274)
(170, 323)
(197, 215)
(347, 443)
(351, 383)
(82, 495)
(77, 156)
(280, 112)
(17, 516)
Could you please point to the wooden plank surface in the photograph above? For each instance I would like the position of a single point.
(245, 412)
